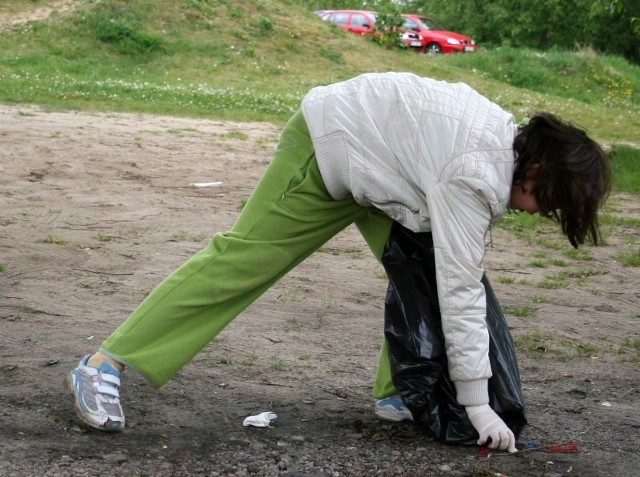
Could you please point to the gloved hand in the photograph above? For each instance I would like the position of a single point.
(490, 426)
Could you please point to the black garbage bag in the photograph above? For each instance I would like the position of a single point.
(413, 331)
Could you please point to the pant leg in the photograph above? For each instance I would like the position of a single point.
(289, 215)
(375, 229)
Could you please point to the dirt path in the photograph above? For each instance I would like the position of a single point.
(9, 15)
(98, 208)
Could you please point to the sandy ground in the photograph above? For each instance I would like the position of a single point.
(10, 15)
(97, 208)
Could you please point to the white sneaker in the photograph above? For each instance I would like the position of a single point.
(393, 409)
(97, 396)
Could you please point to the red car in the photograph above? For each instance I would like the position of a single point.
(436, 39)
(363, 22)
(421, 32)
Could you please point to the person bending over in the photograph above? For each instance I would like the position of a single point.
(378, 148)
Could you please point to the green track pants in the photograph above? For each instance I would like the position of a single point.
(289, 216)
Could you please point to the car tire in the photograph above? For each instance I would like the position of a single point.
(433, 49)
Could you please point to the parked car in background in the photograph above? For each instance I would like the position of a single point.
(420, 32)
(360, 22)
(436, 39)
(363, 22)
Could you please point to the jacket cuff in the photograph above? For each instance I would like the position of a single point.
(472, 393)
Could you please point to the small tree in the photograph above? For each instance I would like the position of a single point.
(389, 26)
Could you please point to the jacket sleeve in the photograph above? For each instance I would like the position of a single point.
(460, 213)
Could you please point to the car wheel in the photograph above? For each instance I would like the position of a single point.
(433, 49)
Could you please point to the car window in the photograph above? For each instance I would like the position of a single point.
(358, 19)
(430, 24)
(410, 24)
(340, 18)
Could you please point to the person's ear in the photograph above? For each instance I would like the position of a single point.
(532, 171)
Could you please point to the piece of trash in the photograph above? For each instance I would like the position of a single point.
(51, 362)
(567, 448)
(207, 184)
(90, 337)
(606, 404)
(260, 420)
(531, 446)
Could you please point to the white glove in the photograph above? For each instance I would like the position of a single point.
(490, 426)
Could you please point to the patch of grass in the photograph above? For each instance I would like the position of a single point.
(630, 350)
(542, 345)
(555, 280)
(585, 350)
(240, 135)
(625, 167)
(511, 280)
(553, 243)
(534, 342)
(539, 299)
(304, 361)
(538, 263)
(629, 258)
(518, 222)
(117, 24)
(291, 296)
(619, 221)
(53, 239)
(332, 55)
(221, 360)
(3, 267)
(138, 230)
(264, 142)
(578, 254)
(558, 262)
(278, 364)
(534, 230)
(187, 237)
(584, 272)
(251, 359)
(293, 321)
(520, 311)
(104, 238)
(579, 76)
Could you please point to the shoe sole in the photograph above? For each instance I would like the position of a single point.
(77, 410)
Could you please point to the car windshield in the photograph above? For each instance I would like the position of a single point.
(429, 24)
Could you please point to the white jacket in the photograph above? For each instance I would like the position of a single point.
(436, 157)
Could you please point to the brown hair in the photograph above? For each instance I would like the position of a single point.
(573, 177)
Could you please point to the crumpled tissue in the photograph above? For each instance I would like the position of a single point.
(260, 420)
